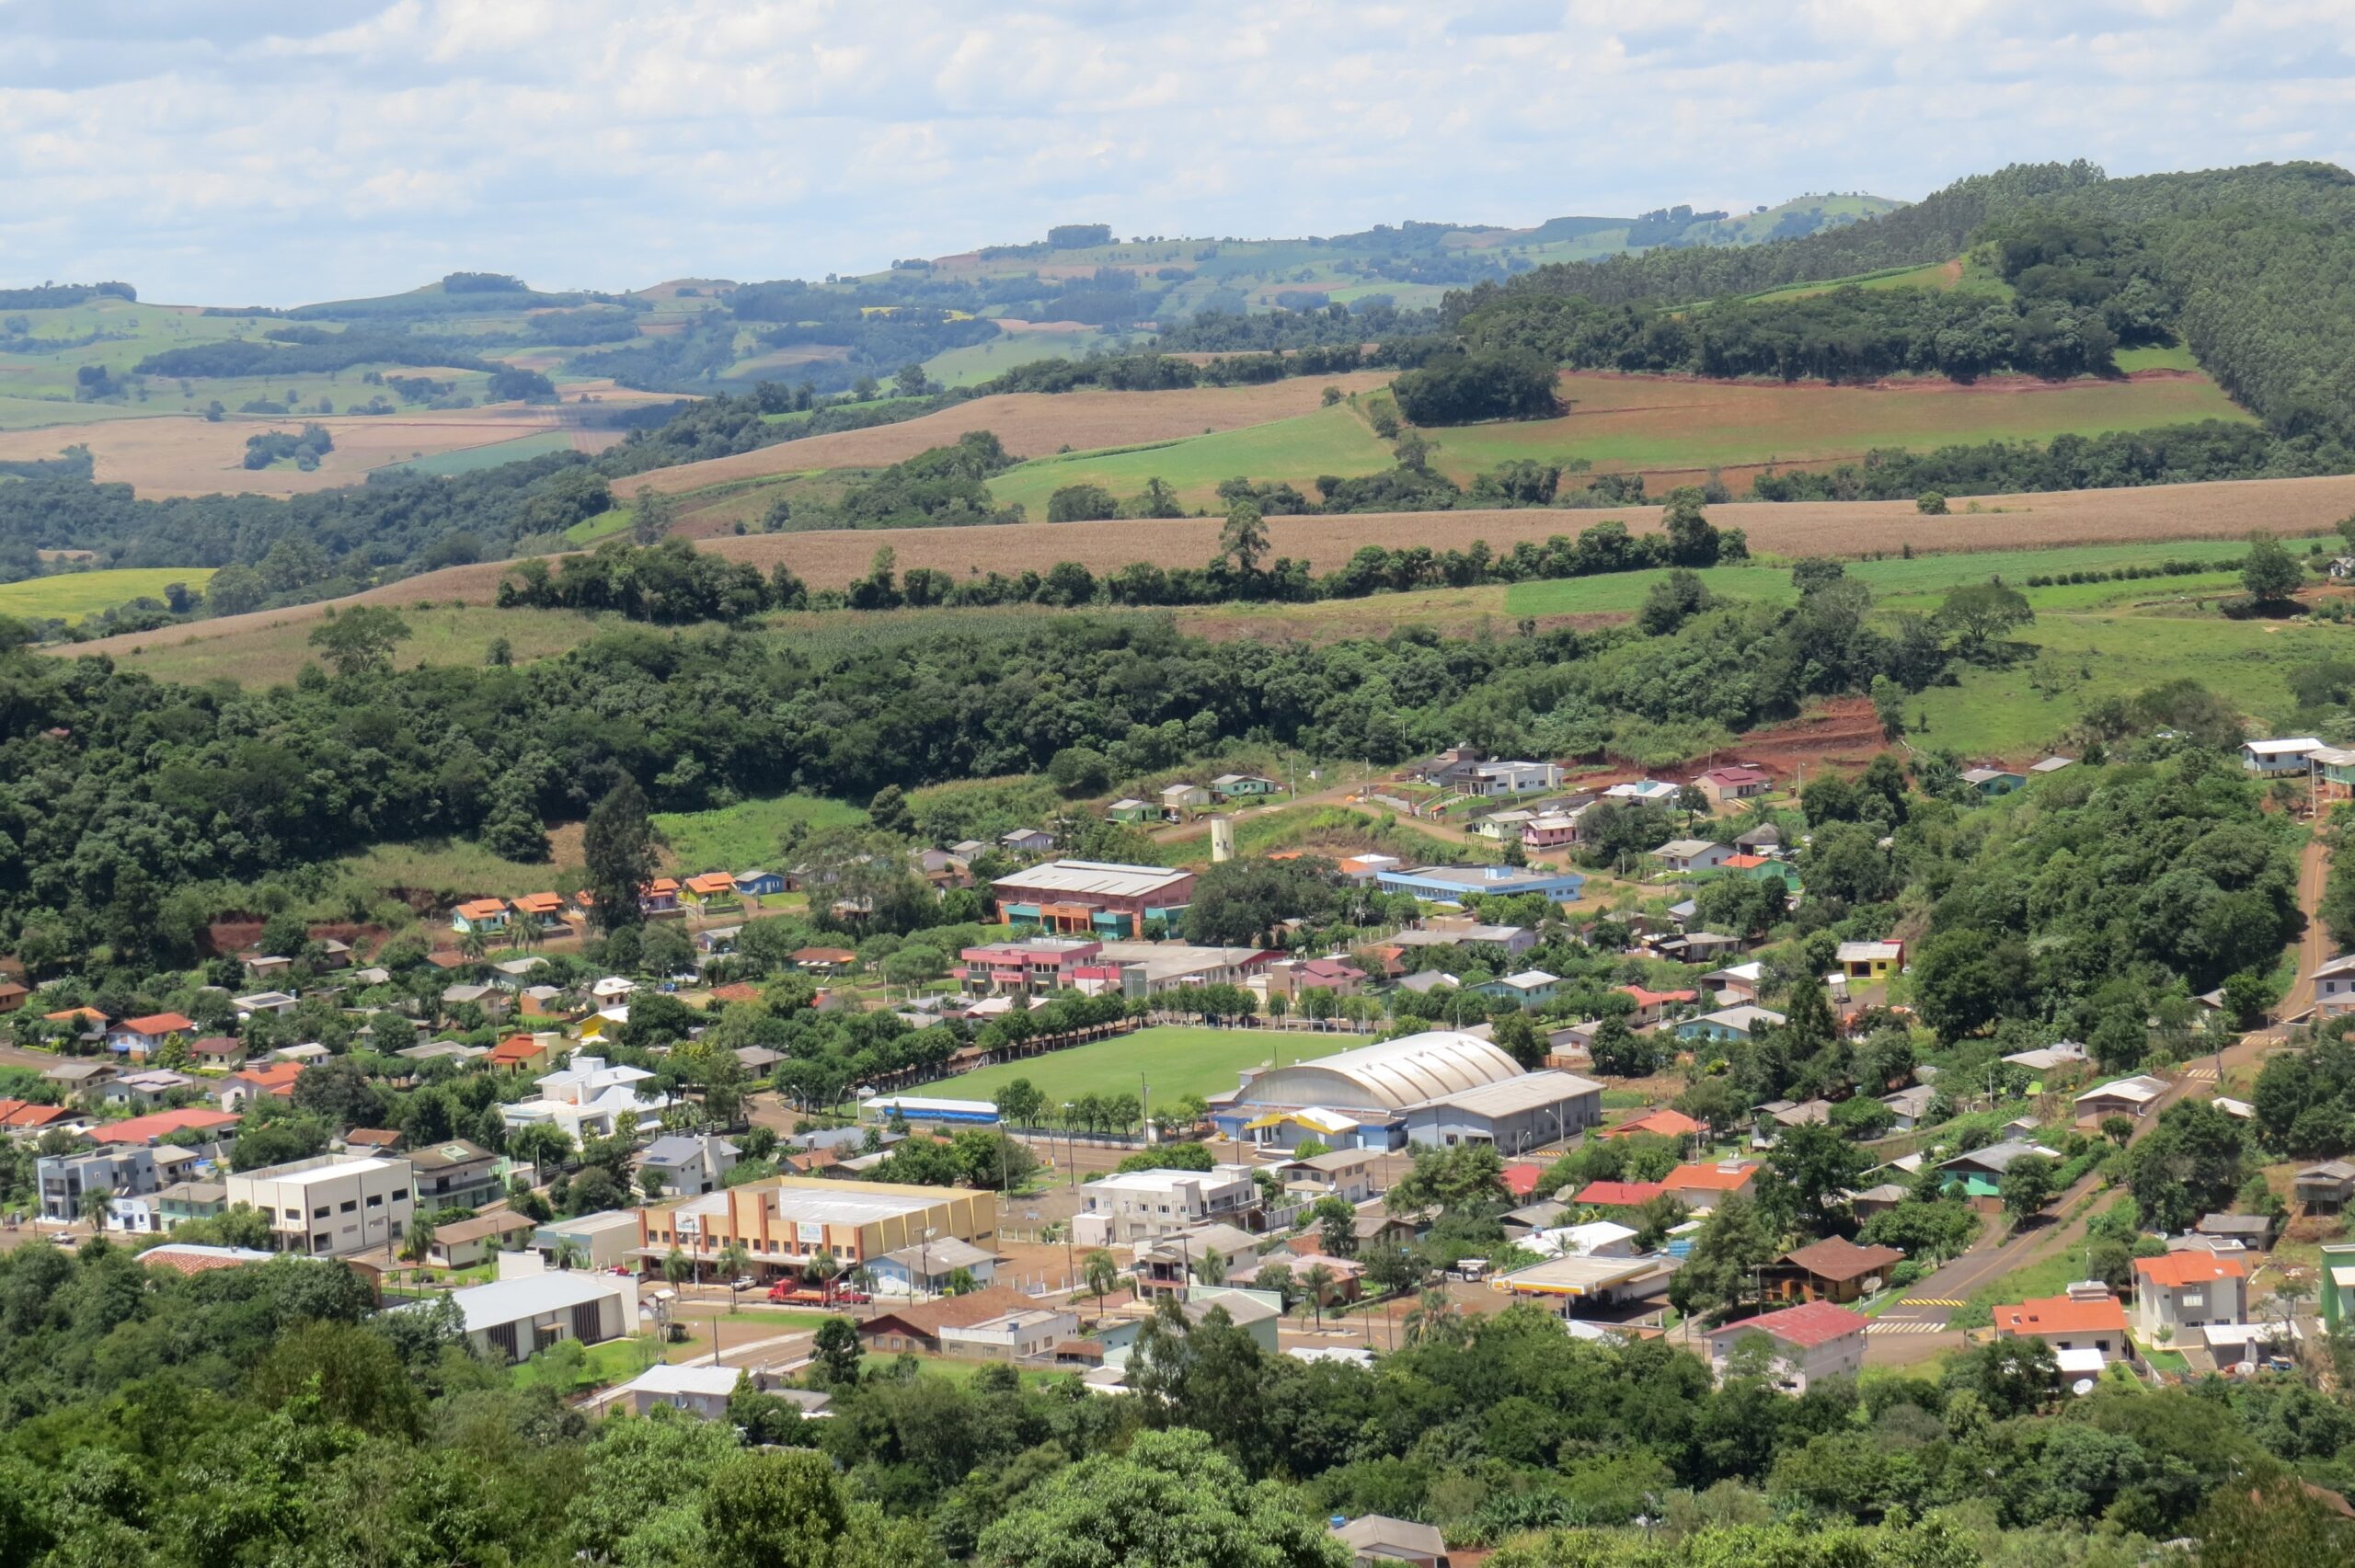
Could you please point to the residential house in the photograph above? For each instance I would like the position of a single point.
(1466, 771)
(660, 896)
(25, 1115)
(2186, 1290)
(462, 1244)
(454, 1174)
(530, 1055)
(1245, 786)
(930, 1269)
(2049, 1058)
(518, 1316)
(1910, 1107)
(274, 1082)
(143, 1090)
(704, 1392)
(2050, 765)
(1766, 839)
(487, 916)
(1180, 798)
(710, 890)
(1530, 987)
(143, 1040)
(2087, 1318)
(1831, 1270)
(1729, 1025)
(2253, 1232)
(1736, 983)
(1982, 1168)
(1989, 783)
(2324, 1188)
(1869, 960)
(65, 1180)
(1457, 930)
(332, 1205)
(1776, 1114)
(545, 912)
(1732, 783)
(584, 1099)
(1175, 1262)
(2334, 987)
(1351, 1175)
(1295, 978)
(2123, 1097)
(1551, 831)
(218, 1052)
(152, 1128)
(591, 1240)
(1500, 826)
(1656, 791)
(916, 1325)
(1026, 842)
(1143, 1206)
(689, 1164)
(1811, 1341)
(2334, 772)
(1706, 1184)
(759, 884)
(1652, 1006)
(1665, 1122)
(1133, 812)
(1618, 1195)
(184, 1201)
(493, 1001)
(1681, 856)
(2336, 1300)
(2279, 759)
(11, 995)
(79, 1077)
(1027, 1333)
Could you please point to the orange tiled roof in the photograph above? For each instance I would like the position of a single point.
(481, 909)
(712, 882)
(1663, 1123)
(156, 1125)
(2190, 1267)
(514, 1048)
(75, 1014)
(14, 1113)
(540, 903)
(277, 1079)
(661, 885)
(1709, 1177)
(2063, 1314)
(160, 1023)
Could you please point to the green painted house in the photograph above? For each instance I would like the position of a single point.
(2338, 1268)
(1134, 811)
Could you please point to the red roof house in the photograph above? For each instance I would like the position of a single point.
(1619, 1195)
(157, 1125)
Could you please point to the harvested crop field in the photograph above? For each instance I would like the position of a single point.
(829, 558)
(182, 455)
(1673, 428)
(1031, 424)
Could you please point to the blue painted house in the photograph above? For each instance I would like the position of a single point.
(1729, 1025)
(759, 882)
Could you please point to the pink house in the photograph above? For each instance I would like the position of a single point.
(1043, 963)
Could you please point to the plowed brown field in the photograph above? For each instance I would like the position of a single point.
(827, 559)
(1030, 424)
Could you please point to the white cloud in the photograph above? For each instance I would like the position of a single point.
(283, 151)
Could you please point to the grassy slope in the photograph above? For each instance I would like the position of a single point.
(70, 596)
(272, 653)
(1175, 1060)
(741, 837)
(981, 361)
(1330, 440)
(472, 459)
(1652, 423)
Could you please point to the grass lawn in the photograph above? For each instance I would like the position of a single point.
(965, 1371)
(472, 459)
(978, 362)
(70, 596)
(448, 870)
(1331, 441)
(743, 836)
(1175, 1060)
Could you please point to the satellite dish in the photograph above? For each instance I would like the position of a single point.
(2082, 1386)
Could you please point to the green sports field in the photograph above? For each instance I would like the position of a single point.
(1175, 1060)
(71, 596)
(1331, 441)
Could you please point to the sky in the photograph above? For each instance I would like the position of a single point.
(273, 151)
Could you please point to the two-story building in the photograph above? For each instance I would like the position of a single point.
(1099, 899)
(2186, 1290)
(65, 1180)
(454, 1174)
(1139, 1205)
(1039, 966)
(332, 1205)
(1808, 1344)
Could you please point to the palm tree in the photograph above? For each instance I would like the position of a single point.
(1434, 1321)
(677, 1268)
(821, 1270)
(96, 1203)
(862, 1279)
(1211, 1268)
(734, 1262)
(417, 1242)
(527, 933)
(1317, 1282)
(474, 945)
(1101, 1272)
(569, 1254)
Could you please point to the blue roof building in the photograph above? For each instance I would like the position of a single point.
(1452, 884)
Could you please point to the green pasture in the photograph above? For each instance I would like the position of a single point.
(473, 459)
(1175, 1059)
(71, 596)
(978, 362)
(273, 652)
(743, 836)
(1331, 441)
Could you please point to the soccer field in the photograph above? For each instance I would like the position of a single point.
(1175, 1060)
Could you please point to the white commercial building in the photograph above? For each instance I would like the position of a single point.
(527, 1311)
(333, 1205)
(1143, 1206)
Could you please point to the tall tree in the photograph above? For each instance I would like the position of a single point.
(618, 844)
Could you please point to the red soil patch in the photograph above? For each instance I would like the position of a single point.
(1843, 733)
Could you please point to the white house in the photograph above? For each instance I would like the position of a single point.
(2188, 1290)
(2334, 987)
(2279, 759)
(705, 1390)
(1811, 1342)
(585, 1098)
(1691, 855)
(2124, 1097)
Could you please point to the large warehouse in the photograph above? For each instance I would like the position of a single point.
(1441, 1087)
